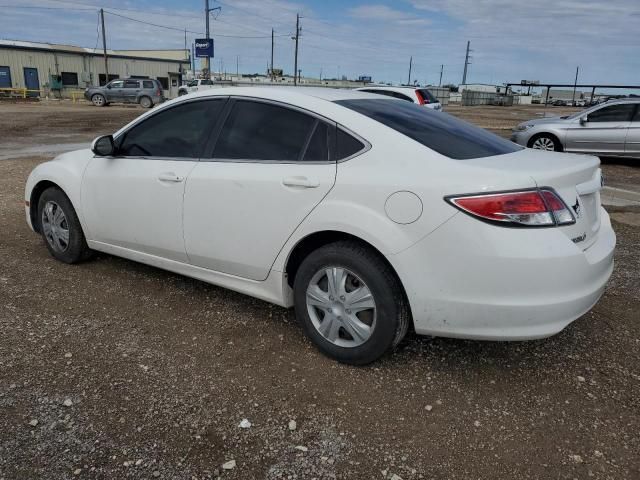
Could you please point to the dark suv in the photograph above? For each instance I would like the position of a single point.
(146, 92)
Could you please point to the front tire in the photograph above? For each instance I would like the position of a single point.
(546, 142)
(60, 227)
(98, 100)
(350, 303)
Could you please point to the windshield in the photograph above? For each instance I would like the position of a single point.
(439, 131)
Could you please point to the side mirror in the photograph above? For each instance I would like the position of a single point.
(104, 146)
(583, 119)
(109, 86)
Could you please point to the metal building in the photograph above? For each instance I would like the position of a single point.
(62, 70)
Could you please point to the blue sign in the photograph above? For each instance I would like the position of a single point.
(204, 48)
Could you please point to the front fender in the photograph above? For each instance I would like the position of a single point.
(65, 171)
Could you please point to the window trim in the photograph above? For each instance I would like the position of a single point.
(122, 135)
(207, 155)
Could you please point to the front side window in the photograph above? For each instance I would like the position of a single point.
(636, 117)
(439, 131)
(263, 131)
(613, 113)
(117, 84)
(180, 131)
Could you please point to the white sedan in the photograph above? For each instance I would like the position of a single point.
(367, 214)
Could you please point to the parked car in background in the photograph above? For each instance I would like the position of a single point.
(365, 213)
(145, 91)
(195, 85)
(609, 129)
(418, 95)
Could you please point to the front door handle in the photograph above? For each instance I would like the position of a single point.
(300, 181)
(170, 177)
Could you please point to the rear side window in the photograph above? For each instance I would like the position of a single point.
(318, 147)
(347, 145)
(131, 84)
(439, 131)
(175, 132)
(262, 131)
(148, 84)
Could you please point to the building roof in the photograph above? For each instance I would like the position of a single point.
(161, 55)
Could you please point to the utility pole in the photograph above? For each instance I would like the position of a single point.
(206, 23)
(237, 66)
(272, 45)
(295, 68)
(466, 63)
(207, 11)
(410, 65)
(575, 83)
(441, 70)
(104, 49)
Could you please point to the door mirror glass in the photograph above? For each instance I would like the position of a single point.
(109, 86)
(104, 146)
(584, 119)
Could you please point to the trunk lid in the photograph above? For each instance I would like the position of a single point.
(576, 178)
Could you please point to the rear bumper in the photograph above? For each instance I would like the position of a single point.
(472, 280)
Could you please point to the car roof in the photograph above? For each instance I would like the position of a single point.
(392, 88)
(277, 92)
(621, 100)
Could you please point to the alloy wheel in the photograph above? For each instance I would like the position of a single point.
(55, 226)
(341, 307)
(544, 143)
(98, 100)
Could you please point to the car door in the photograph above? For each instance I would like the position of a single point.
(632, 142)
(269, 166)
(134, 200)
(114, 91)
(131, 91)
(604, 132)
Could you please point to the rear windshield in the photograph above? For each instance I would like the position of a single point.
(427, 95)
(439, 131)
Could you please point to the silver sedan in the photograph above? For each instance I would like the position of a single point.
(610, 129)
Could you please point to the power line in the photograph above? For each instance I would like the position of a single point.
(182, 30)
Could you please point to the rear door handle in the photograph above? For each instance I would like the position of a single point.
(170, 177)
(300, 181)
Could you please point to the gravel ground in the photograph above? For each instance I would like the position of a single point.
(111, 369)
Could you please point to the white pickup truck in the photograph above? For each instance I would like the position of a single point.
(195, 85)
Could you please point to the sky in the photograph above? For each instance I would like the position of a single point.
(511, 40)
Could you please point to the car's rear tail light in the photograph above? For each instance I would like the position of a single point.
(421, 98)
(529, 208)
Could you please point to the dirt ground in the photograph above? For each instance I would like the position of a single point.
(111, 369)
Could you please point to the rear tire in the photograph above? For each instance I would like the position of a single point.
(60, 227)
(98, 100)
(146, 102)
(360, 318)
(546, 142)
